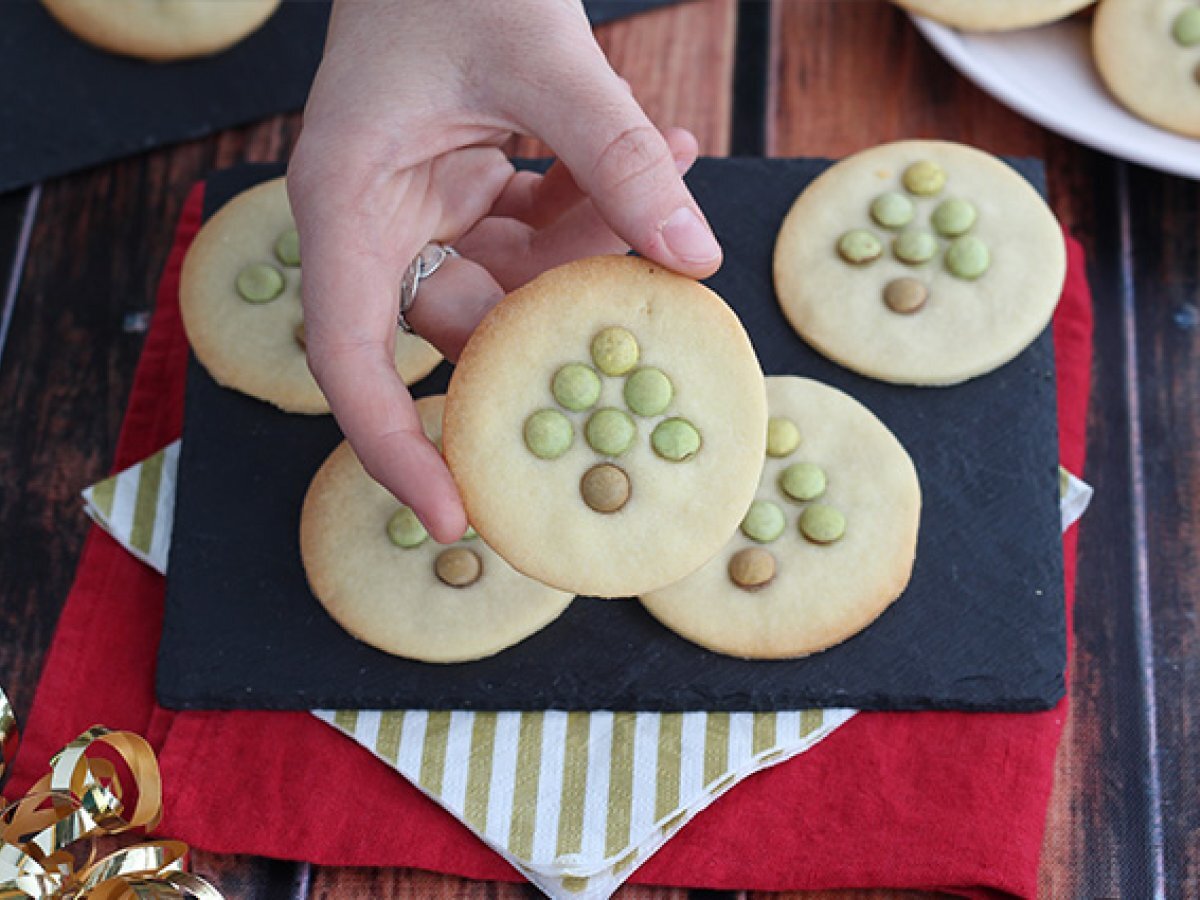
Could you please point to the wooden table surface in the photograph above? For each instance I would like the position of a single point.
(80, 256)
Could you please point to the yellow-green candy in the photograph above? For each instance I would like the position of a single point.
(925, 178)
(675, 440)
(615, 350)
(954, 217)
(469, 535)
(822, 524)
(576, 386)
(915, 246)
(859, 247)
(892, 210)
(405, 529)
(802, 481)
(548, 434)
(1186, 29)
(648, 392)
(260, 283)
(783, 437)
(764, 522)
(968, 258)
(610, 431)
(287, 247)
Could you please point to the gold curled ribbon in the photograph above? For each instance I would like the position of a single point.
(47, 837)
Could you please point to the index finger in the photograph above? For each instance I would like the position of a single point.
(359, 230)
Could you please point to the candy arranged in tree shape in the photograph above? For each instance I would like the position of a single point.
(1185, 29)
(456, 566)
(801, 484)
(948, 233)
(610, 431)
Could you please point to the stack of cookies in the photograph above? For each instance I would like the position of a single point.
(612, 434)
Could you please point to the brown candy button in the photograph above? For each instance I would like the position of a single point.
(752, 568)
(458, 567)
(905, 295)
(605, 488)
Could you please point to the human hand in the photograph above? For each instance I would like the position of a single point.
(401, 146)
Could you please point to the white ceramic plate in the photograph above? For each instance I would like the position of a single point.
(1047, 74)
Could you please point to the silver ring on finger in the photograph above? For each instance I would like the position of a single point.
(431, 258)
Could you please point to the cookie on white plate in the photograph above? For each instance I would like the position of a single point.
(382, 578)
(606, 424)
(162, 30)
(239, 294)
(827, 545)
(920, 262)
(1148, 53)
(994, 15)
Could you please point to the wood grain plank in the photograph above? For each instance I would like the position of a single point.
(1165, 237)
(845, 76)
(678, 61)
(99, 243)
(247, 877)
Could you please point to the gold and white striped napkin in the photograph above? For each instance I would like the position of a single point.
(575, 801)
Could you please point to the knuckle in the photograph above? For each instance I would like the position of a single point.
(630, 157)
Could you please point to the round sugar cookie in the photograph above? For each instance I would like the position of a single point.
(846, 473)
(920, 262)
(994, 15)
(435, 603)
(256, 347)
(1148, 53)
(643, 396)
(161, 30)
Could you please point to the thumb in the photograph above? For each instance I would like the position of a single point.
(625, 165)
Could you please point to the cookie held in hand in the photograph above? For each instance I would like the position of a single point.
(383, 579)
(606, 425)
(920, 262)
(827, 545)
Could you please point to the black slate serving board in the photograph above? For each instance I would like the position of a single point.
(68, 105)
(981, 626)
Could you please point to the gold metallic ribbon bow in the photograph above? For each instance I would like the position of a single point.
(48, 837)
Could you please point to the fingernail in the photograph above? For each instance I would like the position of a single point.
(688, 238)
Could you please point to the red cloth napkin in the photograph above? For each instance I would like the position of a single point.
(945, 801)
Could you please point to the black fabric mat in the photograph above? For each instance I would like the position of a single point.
(981, 625)
(68, 105)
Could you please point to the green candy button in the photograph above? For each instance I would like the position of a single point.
(615, 350)
(783, 437)
(968, 258)
(610, 431)
(764, 522)
(822, 524)
(915, 246)
(648, 392)
(576, 387)
(1186, 29)
(954, 217)
(859, 247)
(892, 210)
(405, 529)
(925, 178)
(548, 434)
(260, 283)
(287, 247)
(675, 440)
(802, 481)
